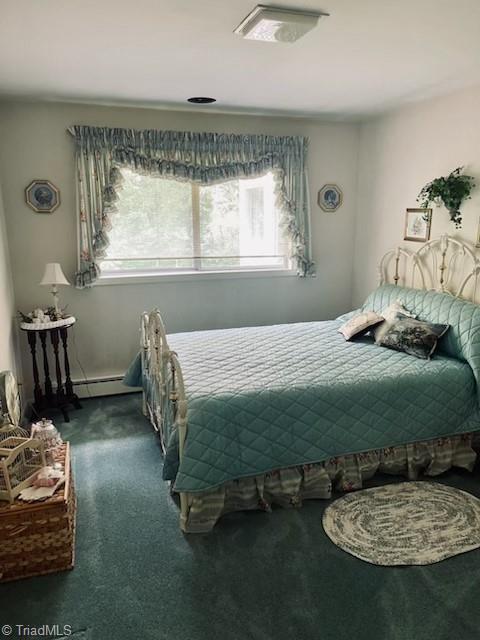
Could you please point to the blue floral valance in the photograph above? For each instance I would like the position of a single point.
(205, 158)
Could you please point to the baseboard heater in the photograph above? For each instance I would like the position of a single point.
(101, 386)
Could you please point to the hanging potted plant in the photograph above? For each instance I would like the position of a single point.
(452, 190)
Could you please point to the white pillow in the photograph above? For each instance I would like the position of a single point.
(359, 323)
(390, 314)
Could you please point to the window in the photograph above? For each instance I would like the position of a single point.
(163, 225)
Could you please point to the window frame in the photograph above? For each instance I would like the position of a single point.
(127, 276)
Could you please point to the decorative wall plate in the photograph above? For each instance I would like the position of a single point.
(330, 197)
(42, 196)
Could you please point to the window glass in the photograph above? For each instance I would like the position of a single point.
(168, 225)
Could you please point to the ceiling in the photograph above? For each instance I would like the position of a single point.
(368, 56)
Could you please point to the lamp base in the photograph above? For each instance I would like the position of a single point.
(58, 313)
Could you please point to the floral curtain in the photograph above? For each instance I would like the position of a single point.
(205, 158)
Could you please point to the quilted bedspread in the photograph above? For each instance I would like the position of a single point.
(262, 398)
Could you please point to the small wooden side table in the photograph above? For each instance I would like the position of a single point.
(63, 396)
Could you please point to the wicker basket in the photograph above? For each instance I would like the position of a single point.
(39, 538)
(20, 460)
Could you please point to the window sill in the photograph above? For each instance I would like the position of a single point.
(191, 276)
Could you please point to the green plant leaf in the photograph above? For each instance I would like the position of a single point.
(452, 190)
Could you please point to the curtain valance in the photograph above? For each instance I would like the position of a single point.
(205, 158)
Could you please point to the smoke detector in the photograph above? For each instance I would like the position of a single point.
(277, 24)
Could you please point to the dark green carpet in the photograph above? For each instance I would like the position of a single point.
(257, 576)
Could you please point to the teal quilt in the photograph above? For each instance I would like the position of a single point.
(462, 341)
(263, 398)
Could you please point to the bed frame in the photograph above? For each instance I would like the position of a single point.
(446, 264)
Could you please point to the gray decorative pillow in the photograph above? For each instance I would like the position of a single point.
(412, 336)
(391, 314)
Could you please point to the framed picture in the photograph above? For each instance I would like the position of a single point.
(330, 197)
(417, 225)
(42, 196)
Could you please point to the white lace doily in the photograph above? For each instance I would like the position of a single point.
(40, 326)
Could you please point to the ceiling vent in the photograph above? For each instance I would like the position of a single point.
(277, 24)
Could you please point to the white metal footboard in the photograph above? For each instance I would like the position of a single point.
(164, 400)
(179, 402)
(145, 361)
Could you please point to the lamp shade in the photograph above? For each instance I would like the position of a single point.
(54, 274)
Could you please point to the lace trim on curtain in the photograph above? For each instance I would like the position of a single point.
(206, 158)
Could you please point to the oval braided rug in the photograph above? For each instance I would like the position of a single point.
(410, 523)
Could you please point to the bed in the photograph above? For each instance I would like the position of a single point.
(252, 417)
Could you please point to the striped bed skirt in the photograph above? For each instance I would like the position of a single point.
(290, 487)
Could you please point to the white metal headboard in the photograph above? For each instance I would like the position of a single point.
(445, 264)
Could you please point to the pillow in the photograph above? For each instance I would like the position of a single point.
(412, 336)
(390, 312)
(393, 312)
(359, 323)
(462, 340)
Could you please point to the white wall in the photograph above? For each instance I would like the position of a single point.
(8, 335)
(35, 145)
(399, 154)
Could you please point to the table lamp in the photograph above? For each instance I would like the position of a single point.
(54, 275)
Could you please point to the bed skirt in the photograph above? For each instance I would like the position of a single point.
(289, 487)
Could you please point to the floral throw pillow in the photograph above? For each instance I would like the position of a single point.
(412, 336)
(360, 323)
